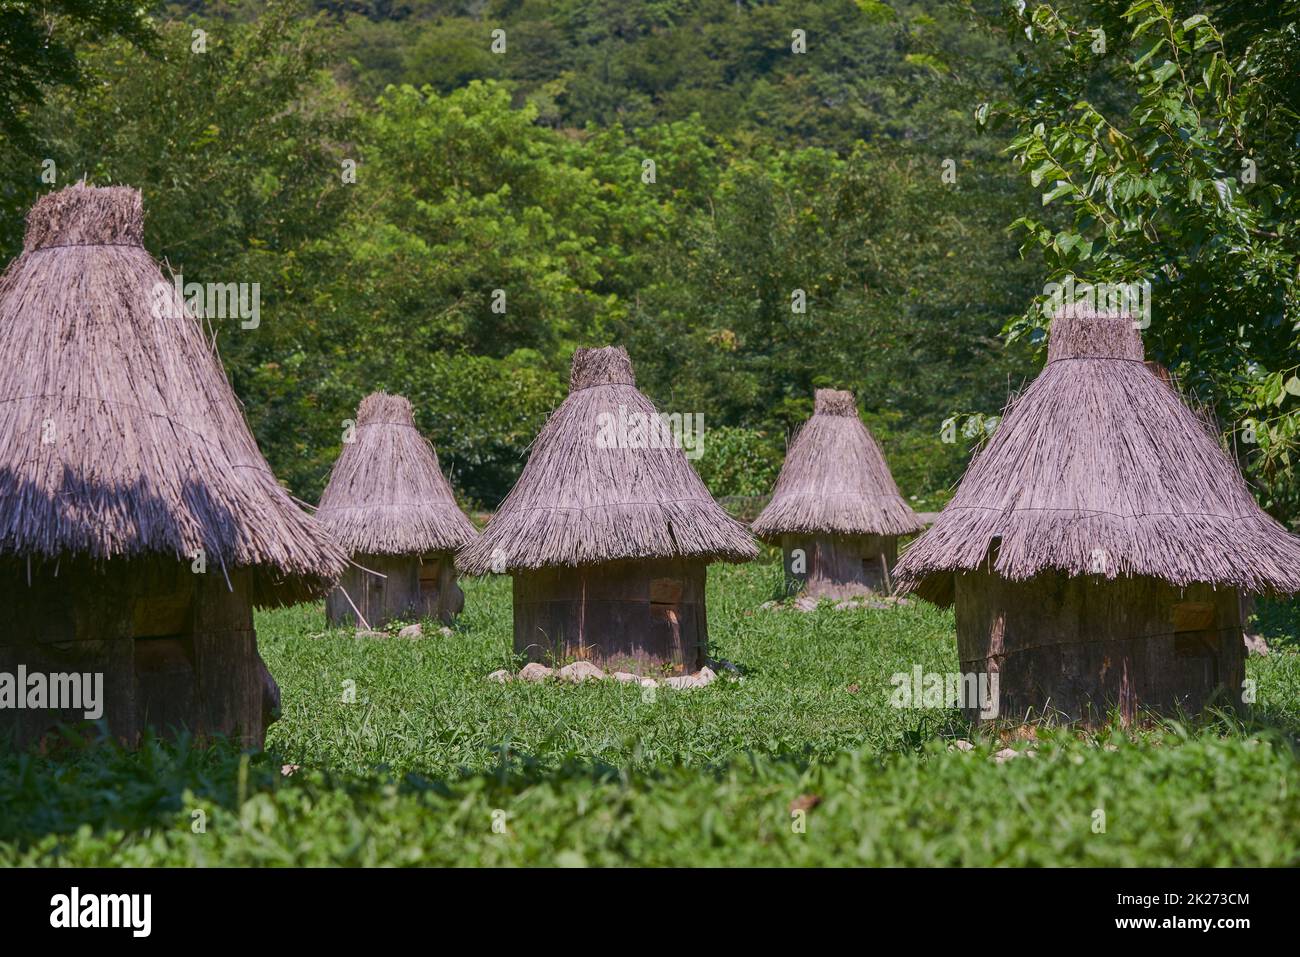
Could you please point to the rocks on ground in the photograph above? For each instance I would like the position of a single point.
(807, 603)
(580, 671)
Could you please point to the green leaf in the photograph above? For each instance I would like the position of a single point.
(1059, 190)
(1164, 71)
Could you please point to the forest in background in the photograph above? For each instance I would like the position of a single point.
(919, 172)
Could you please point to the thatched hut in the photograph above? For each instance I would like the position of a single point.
(388, 504)
(140, 523)
(1097, 546)
(835, 511)
(609, 532)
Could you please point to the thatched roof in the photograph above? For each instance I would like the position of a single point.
(835, 480)
(582, 499)
(1098, 468)
(386, 494)
(120, 436)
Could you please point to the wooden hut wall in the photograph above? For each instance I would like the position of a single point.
(411, 588)
(646, 617)
(1081, 646)
(176, 649)
(839, 566)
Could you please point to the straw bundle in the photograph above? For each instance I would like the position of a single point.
(1099, 468)
(579, 503)
(119, 433)
(835, 480)
(386, 494)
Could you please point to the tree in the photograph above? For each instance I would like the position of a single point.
(1164, 134)
(39, 41)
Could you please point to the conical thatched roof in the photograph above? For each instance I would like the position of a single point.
(119, 433)
(1098, 468)
(582, 499)
(835, 480)
(386, 494)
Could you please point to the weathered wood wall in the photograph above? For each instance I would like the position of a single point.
(1078, 647)
(646, 617)
(839, 566)
(177, 649)
(410, 587)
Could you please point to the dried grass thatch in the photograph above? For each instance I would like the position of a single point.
(578, 503)
(835, 480)
(119, 433)
(386, 494)
(1098, 468)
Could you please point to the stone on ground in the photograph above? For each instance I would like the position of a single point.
(535, 671)
(581, 671)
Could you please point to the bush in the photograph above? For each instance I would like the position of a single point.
(738, 461)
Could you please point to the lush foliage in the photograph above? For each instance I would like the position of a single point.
(414, 771)
(493, 221)
(428, 215)
(1166, 130)
(39, 40)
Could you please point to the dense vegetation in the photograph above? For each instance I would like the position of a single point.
(829, 204)
(430, 754)
(774, 172)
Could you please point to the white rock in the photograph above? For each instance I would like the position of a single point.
(649, 683)
(412, 631)
(580, 671)
(806, 603)
(962, 744)
(535, 671)
(502, 676)
(444, 631)
(626, 677)
(680, 681)
(705, 676)
(363, 633)
(1006, 754)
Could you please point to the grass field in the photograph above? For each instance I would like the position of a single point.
(800, 760)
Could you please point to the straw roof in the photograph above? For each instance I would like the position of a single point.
(386, 494)
(584, 499)
(120, 436)
(1098, 468)
(834, 480)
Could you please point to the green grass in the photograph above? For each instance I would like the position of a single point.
(432, 764)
